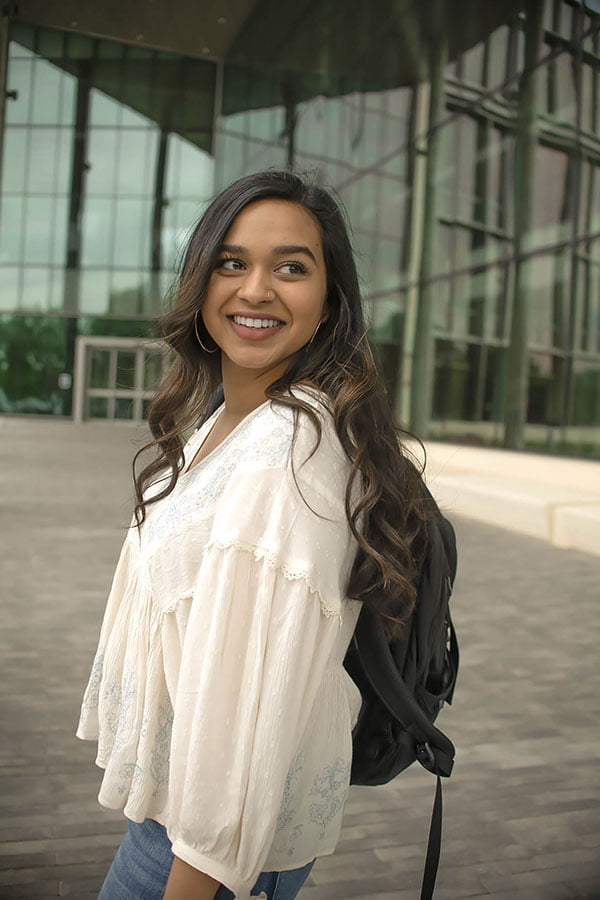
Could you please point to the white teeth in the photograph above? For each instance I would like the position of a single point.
(255, 323)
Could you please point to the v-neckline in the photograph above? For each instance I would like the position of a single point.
(203, 433)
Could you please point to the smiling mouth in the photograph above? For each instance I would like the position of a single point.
(255, 323)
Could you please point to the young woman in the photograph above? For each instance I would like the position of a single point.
(218, 696)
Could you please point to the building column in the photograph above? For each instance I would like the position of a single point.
(517, 383)
(73, 261)
(424, 350)
(291, 120)
(419, 115)
(6, 12)
(157, 221)
(574, 281)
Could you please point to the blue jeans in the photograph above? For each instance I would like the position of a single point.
(141, 868)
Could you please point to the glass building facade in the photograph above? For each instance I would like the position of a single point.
(464, 145)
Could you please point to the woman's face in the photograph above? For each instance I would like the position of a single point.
(266, 295)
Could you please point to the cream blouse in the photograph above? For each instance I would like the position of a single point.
(218, 695)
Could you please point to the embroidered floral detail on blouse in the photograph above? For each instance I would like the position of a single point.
(159, 767)
(332, 787)
(296, 833)
(180, 510)
(131, 774)
(286, 813)
(288, 810)
(121, 697)
(92, 694)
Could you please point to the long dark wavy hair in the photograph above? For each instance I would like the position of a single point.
(388, 521)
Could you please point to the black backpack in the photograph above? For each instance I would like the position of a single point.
(404, 683)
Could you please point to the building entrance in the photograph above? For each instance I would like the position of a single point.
(115, 378)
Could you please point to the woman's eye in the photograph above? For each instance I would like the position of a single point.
(293, 268)
(231, 265)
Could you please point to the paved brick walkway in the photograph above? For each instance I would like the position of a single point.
(522, 817)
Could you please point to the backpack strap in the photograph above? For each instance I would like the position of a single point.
(434, 844)
(433, 749)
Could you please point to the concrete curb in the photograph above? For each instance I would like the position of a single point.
(551, 498)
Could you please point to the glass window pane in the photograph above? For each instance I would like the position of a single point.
(99, 368)
(190, 170)
(132, 231)
(498, 50)
(123, 408)
(56, 289)
(545, 378)
(136, 163)
(128, 293)
(60, 230)
(20, 36)
(130, 118)
(465, 168)
(19, 78)
(565, 109)
(179, 220)
(386, 274)
(50, 43)
(384, 318)
(36, 288)
(126, 369)
(103, 109)
(63, 162)
(545, 280)
(477, 303)
(594, 200)
(444, 248)
(49, 160)
(585, 398)
(102, 152)
(451, 377)
(264, 156)
(39, 229)
(152, 371)
(97, 407)
(14, 163)
(109, 50)
(392, 208)
(589, 97)
(472, 64)
(9, 287)
(98, 231)
(94, 290)
(78, 46)
(46, 99)
(11, 245)
(460, 306)
(550, 201)
(231, 156)
(442, 309)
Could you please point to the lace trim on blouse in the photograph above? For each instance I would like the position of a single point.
(273, 561)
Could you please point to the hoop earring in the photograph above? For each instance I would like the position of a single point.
(314, 334)
(206, 350)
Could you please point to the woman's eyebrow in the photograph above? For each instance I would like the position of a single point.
(294, 248)
(282, 250)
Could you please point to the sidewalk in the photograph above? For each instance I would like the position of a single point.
(521, 809)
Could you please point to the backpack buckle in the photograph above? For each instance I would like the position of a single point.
(426, 756)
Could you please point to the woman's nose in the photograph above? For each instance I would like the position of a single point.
(255, 287)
